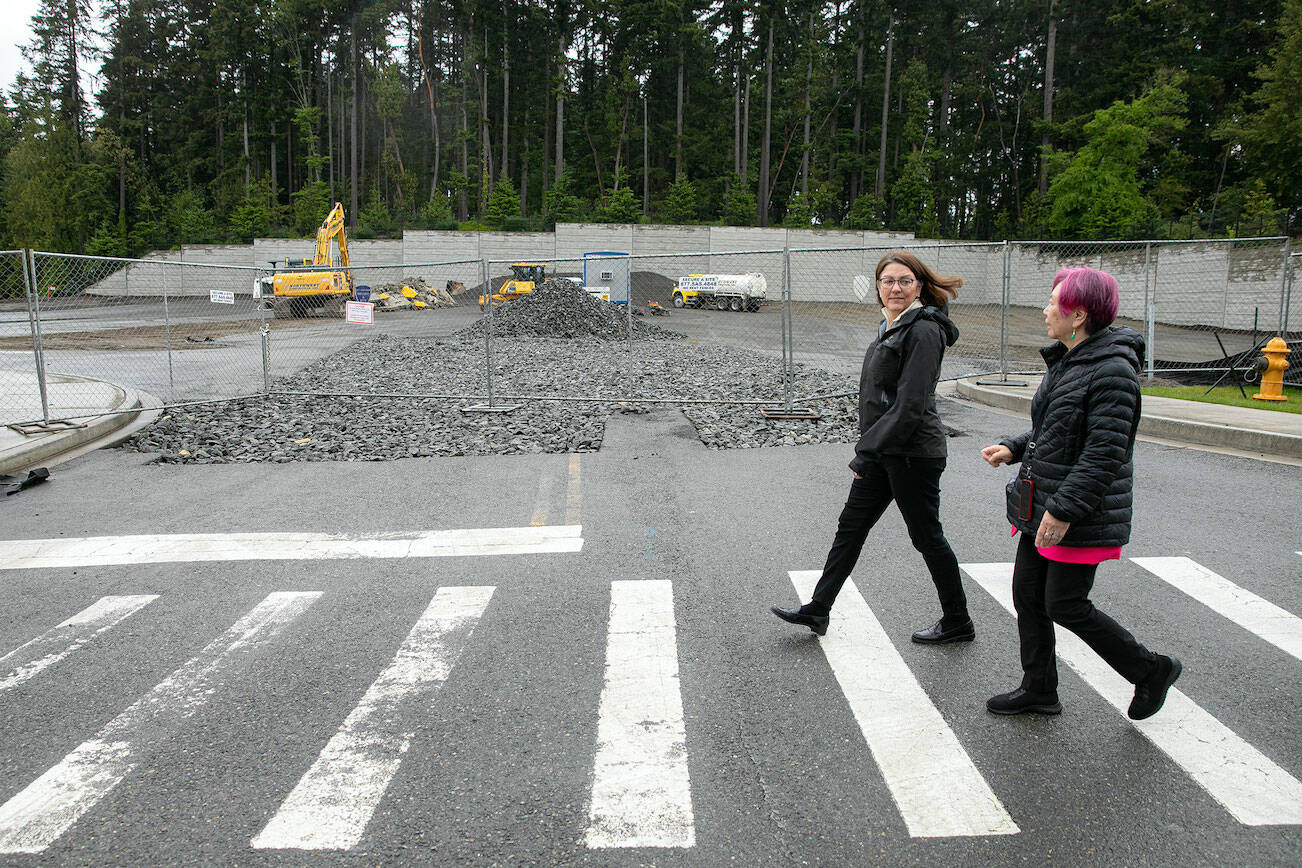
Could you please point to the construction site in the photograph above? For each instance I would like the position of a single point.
(333, 356)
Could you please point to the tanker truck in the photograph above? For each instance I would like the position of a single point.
(721, 291)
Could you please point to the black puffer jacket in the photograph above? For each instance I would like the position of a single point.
(897, 388)
(1084, 419)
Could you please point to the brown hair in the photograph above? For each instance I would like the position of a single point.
(935, 291)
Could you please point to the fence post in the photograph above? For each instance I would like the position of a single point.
(1004, 306)
(1284, 288)
(34, 320)
(1003, 311)
(265, 330)
(488, 329)
(167, 329)
(1150, 306)
(1290, 271)
(789, 332)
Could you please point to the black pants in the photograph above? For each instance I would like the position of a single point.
(914, 485)
(1046, 592)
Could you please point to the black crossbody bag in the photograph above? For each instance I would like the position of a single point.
(1025, 485)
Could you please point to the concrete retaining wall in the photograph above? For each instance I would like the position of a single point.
(1213, 284)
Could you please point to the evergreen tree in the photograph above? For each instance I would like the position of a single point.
(680, 204)
(1101, 191)
(503, 204)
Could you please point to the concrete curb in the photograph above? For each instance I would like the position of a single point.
(53, 447)
(1153, 424)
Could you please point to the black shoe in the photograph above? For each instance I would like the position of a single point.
(817, 623)
(937, 635)
(1150, 693)
(1021, 700)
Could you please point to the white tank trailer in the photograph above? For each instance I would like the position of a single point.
(721, 291)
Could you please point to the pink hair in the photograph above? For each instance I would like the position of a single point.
(1090, 290)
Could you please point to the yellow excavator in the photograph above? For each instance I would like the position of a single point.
(319, 282)
(525, 277)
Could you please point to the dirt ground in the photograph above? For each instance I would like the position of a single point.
(184, 336)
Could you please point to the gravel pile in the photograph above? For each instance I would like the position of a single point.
(379, 427)
(560, 308)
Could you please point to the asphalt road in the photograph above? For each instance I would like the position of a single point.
(500, 762)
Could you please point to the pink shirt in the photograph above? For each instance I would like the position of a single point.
(1078, 555)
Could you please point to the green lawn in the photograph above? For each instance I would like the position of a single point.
(1230, 395)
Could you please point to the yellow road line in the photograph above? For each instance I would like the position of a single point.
(573, 495)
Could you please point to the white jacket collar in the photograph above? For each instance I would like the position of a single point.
(892, 323)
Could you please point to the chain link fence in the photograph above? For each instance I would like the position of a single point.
(1204, 307)
(767, 327)
(19, 390)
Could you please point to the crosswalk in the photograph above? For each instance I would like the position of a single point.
(640, 771)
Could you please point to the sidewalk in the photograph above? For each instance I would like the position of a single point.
(82, 402)
(1268, 433)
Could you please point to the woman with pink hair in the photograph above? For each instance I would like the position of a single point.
(1071, 500)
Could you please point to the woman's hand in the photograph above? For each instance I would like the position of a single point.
(997, 454)
(1051, 531)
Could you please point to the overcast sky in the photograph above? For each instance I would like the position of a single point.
(16, 19)
(17, 33)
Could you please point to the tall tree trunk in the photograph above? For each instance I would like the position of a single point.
(506, 105)
(678, 132)
(247, 160)
(762, 203)
(352, 133)
(856, 179)
(941, 182)
(485, 145)
(560, 109)
(833, 152)
(809, 86)
(330, 130)
(73, 84)
(275, 186)
(433, 110)
(886, 105)
(524, 177)
(736, 119)
(646, 158)
(463, 129)
(745, 135)
(547, 131)
(1050, 46)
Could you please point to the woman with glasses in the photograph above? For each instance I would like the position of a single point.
(901, 450)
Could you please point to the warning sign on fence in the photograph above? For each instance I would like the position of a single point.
(361, 312)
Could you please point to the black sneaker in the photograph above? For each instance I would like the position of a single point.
(1022, 700)
(817, 623)
(1150, 693)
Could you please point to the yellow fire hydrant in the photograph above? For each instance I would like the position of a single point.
(1272, 368)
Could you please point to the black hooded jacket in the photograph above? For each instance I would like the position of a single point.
(1084, 418)
(897, 388)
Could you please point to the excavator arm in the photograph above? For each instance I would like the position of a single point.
(330, 227)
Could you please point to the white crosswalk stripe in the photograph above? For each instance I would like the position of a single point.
(1256, 615)
(936, 787)
(332, 804)
(641, 790)
(153, 548)
(641, 793)
(35, 817)
(1244, 781)
(31, 658)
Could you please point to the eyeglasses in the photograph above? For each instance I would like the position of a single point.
(905, 283)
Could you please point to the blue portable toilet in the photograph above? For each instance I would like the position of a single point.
(610, 269)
